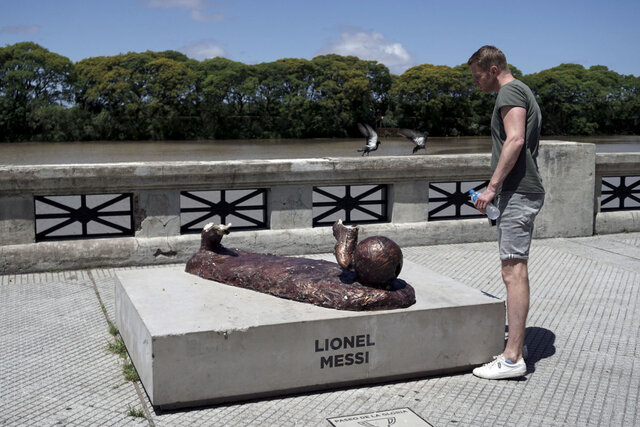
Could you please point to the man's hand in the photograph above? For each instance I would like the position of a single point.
(484, 199)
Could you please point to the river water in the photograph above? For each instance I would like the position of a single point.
(41, 153)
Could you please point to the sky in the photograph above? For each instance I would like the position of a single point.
(535, 35)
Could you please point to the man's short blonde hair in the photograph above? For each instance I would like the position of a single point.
(488, 56)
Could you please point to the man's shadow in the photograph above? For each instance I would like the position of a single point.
(540, 345)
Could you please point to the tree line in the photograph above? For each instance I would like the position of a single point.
(166, 95)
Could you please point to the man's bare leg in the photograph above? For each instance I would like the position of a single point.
(516, 278)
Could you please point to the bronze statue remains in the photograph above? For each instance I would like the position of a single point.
(365, 278)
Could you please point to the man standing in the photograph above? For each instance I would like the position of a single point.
(515, 132)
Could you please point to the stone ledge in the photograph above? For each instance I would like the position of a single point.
(135, 251)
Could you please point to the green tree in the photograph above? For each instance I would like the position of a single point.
(579, 101)
(271, 86)
(112, 90)
(297, 108)
(477, 117)
(626, 118)
(137, 95)
(170, 90)
(224, 88)
(345, 90)
(434, 99)
(33, 81)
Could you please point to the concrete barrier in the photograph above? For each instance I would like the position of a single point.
(572, 174)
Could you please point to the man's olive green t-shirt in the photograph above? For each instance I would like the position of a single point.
(524, 177)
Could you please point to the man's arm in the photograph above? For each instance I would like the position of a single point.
(514, 119)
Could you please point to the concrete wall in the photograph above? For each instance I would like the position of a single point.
(568, 175)
(571, 173)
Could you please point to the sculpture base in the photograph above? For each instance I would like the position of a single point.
(194, 341)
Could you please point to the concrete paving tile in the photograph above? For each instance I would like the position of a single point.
(55, 366)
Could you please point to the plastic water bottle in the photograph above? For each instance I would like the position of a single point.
(492, 211)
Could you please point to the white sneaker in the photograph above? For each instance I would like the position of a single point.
(500, 369)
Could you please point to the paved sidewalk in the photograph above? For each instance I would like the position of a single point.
(583, 339)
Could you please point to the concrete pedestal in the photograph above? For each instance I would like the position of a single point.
(195, 341)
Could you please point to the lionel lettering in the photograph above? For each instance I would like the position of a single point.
(343, 343)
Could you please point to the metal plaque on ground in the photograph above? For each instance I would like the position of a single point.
(404, 417)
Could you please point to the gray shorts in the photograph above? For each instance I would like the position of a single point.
(515, 224)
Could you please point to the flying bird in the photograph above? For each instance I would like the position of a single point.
(420, 139)
(371, 137)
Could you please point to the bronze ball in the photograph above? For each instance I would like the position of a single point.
(377, 261)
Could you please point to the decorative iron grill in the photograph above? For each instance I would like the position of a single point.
(244, 209)
(83, 216)
(361, 204)
(450, 200)
(620, 193)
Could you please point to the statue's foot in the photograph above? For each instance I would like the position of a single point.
(346, 241)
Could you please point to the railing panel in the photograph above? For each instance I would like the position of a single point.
(620, 193)
(244, 209)
(83, 216)
(450, 200)
(362, 204)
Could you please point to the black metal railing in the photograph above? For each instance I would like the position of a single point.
(450, 200)
(620, 193)
(244, 209)
(361, 204)
(83, 216)
(111, 215)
